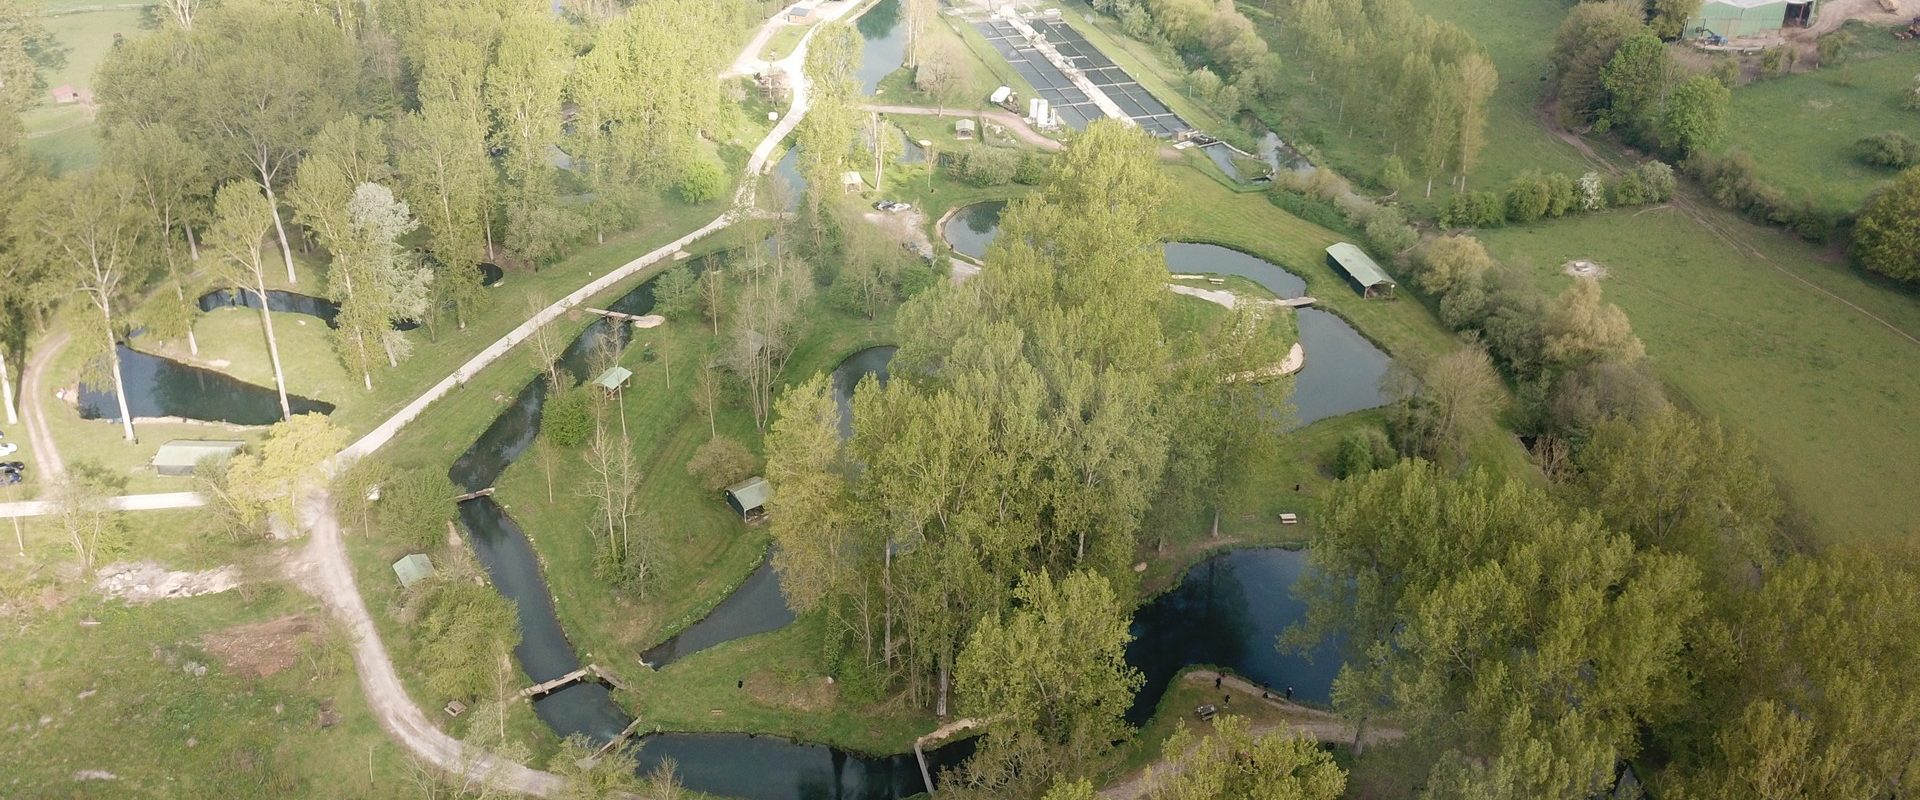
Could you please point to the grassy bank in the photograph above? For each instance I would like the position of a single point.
(1801, 128)
(1775, 341)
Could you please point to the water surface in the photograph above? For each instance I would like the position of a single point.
(884, 48)
(162, 387)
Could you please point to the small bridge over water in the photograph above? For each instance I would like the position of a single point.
(590, 672)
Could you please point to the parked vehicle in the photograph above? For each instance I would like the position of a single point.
(892, 206)
(7, 448)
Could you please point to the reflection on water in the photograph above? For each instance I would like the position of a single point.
(787, 170)
(972, 229)
(162, 387)
(885, 45)
(756, 607)
(1228, 611)
(847, 376)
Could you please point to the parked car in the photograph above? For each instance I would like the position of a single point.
(7, 448)
(892, 206)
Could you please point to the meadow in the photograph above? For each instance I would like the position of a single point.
(1801, 129)
(1777, 339)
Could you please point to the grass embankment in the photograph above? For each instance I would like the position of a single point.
(65, 135)
(102, 685)
(1801, 128)
(1828, 393)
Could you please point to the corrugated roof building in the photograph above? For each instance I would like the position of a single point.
(1367, 276)
(180, 456)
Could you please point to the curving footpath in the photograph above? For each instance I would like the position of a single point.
(323, 566)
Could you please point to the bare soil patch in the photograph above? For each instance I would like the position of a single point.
(261, 649)
(1582, 268)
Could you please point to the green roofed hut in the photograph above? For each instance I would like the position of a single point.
(749, 498)
(413, 569)
(1368, 277)
(614, 379)
(180, 456)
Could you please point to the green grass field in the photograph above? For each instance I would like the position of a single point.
(1801, 128)
(1828, 393)
(64, 135)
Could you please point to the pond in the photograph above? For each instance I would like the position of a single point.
(971, 229)
(884, 47)
(1228, 611)
(736, 765)
(162, 387)
(846, 377)
(1343, 370)
(787, 170)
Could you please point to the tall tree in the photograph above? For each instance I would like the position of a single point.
(376, 282)
(1696, 116)
(774, 293)
(26, 49)
(170, 177)
(1521, 645)
(268, 83)
(274, 478)
(1582, 329)
(240, 220)
(1232, 762)
(88, 225)
(444, 174)
(347, 152)
(829, 136)
(1053, 677)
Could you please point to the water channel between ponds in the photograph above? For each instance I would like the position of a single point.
(1343, 369)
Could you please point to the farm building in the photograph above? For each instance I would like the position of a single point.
(65, 93)
(748, 498)
(1733, 19)
(179, 457)
(1368, 277)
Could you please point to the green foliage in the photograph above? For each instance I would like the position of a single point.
(1393, 172)
(1053, 675)
(1668, 18)
(1474, 210)
(1579, 329)
(1451, 262)
(1584, 46)
(721, 462)
(1529, 197)
(1032, 170)
(567, 416)
(1889, 149)
(462, 632)
(1833, 48)
(1361, 451)
(1520, 644)
(983, 165)
(676, 294)
(272, 478)
(703, 180)
(1696, 115)
(1232, 763)
(415, 507)
(1886, 238)
(1637, 79)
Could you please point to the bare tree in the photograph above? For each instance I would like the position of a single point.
(766, 325)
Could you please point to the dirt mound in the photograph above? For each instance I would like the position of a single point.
(1583, 268)
(145, 582)
(261, 649)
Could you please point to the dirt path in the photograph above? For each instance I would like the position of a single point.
(1005, 119)
(1300, 720)
(33, 396)
(323, 569)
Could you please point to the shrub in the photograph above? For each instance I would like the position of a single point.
(1629, 191)
(721, 462)
(1657, 181)
(1451, 262)
(1307, 207)
(1388, 233)
(566, 418)
(1591, 193)
(1031, 171)
(985, 166)
(415, 507)
(1889, 149)
(1529, 197)
(1362, 451)
(1563, 195)
(1393, 173)
(705, 178)
(461, 633)
(1474, 210)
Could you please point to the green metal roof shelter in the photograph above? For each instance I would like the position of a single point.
(412, 569)
(1368, 277)
(1736, 18)
(180, 456)
(749, 497)
(613, 379)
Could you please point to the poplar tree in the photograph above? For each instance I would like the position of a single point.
(240, 220)
(88, 226)
(170, 178)
(443, 172)
(376, 282)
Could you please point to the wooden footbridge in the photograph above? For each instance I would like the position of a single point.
(590, 672)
